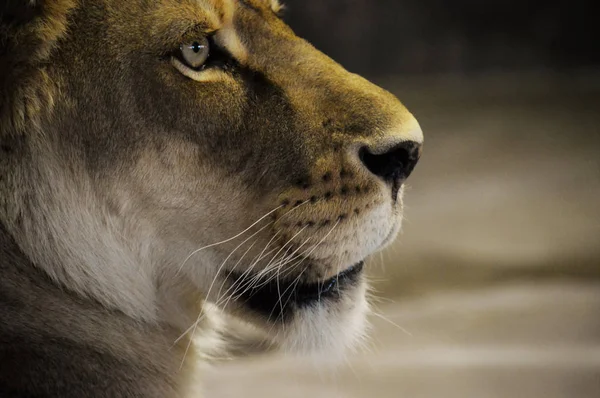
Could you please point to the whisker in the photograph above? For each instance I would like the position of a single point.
(274, 267)
(234, 267)
(307, 253)
(246, 285)
(380, 316)
(296, 281)
(240, 279)
(266, 269)
(226, 240)
(291, 257)
(322, 240)
(200, 316)
(291, 286)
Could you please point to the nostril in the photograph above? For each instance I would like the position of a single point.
(395, 165)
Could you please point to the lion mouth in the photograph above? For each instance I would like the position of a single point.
(277, 298)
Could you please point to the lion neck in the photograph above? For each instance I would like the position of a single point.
(63, 228)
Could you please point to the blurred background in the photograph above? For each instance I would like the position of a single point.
(493, 287)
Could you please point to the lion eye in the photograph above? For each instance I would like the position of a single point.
(194, 54)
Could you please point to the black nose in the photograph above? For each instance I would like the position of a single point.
(393, 166)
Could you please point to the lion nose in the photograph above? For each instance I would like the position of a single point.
(393, 165)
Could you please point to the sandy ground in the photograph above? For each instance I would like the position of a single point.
(493, 289)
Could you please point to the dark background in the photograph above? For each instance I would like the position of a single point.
(383, 37)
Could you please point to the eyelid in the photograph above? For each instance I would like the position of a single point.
(203, 75)
(219, 62)
(196, 31)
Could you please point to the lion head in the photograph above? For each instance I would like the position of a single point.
(157, 155)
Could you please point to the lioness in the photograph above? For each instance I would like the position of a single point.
(158, 157)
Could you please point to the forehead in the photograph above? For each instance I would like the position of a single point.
(164, 16)
(274, 5)
(167, 20)
(225, 8)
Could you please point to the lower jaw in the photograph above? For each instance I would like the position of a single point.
(279, 299)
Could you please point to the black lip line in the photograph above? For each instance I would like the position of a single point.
(346, 274)
(277, 299)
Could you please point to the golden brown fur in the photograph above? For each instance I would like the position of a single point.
(135, 190)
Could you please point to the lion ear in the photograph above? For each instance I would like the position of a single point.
(17, 13)
(30, 28)
(29, 32)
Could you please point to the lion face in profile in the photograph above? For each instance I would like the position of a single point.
(163, 154)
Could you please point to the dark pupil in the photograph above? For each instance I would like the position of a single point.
(196, 47)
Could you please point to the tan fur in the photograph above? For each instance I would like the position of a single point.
(140, 194)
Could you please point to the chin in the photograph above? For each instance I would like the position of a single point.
(318, 317)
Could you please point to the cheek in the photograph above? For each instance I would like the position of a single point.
(202, 113)
(185, 194)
